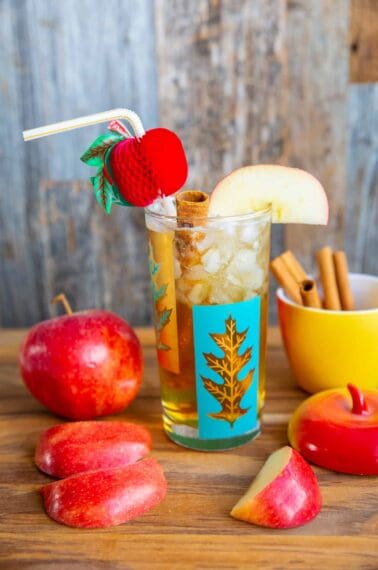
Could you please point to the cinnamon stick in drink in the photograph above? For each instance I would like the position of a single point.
(192, 208)
(328, 279)
(285, 279)
(342, 279)
(309, 294)
(294, 266)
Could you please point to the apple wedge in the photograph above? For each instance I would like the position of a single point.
(106, 497)
(67, 449)
(284, 494)
(295, 195)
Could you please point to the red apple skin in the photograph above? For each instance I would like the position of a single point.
(290, 500)
(326, 432)
(84, 365)
(66, 449)
(106, 497)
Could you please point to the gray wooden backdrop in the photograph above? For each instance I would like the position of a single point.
(241, 81)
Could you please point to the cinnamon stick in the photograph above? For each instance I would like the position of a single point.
(285, 279)
(328, 279)
(309, 294)
(342, 279)
(192, 207)
(294, 266)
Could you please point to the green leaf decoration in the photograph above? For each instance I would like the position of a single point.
(95, 153)
(164, 318)
(118, 198)
(153, 266)
(103, 191)
(160, 292)
(230, 393)
(98, 154)
(163, 314)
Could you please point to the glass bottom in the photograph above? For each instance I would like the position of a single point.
(187, 437)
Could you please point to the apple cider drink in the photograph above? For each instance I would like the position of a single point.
(209, 269)
(210, 290)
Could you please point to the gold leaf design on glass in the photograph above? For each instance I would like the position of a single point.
(231, 391)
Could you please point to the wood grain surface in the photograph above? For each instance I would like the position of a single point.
(363, 41)
(317, 114)
(242, 81)
(192, 527)
(362, 198)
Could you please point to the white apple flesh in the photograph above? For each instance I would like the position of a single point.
(284, 494)
(295, 196)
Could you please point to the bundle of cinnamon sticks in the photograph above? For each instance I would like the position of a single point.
(334, 277)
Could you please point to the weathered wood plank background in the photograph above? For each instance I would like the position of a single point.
(241, 81)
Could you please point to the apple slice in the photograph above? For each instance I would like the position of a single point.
(295, 195)
(67, 449)
(284, 494)
(106, 497)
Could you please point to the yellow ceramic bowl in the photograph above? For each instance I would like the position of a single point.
(328, 349)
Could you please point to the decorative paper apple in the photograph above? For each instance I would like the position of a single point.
(82, 365)
(338, 429)
(284, 494)
(135, 171)
(106, 497)
(71, 448)
(294, 194)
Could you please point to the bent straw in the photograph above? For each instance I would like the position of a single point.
(86, 121)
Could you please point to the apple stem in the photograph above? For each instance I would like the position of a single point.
(358, 399)
(61, 298)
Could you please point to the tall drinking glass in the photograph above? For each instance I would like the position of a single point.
(210, 294)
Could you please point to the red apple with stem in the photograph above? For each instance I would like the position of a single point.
(284, 494)
(74, 447)
(338, 429)
(106, 497)
(82, 365)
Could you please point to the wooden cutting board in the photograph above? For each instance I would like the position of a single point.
(192, 527)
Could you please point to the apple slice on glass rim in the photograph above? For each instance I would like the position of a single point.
(284, 494)
(295, 195)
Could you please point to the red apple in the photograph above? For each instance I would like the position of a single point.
(106, 497)
(82, 365)
(338, 429)
(71, 448)
(284, 494)
(295, 195)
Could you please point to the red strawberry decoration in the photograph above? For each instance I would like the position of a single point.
(135, 171)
